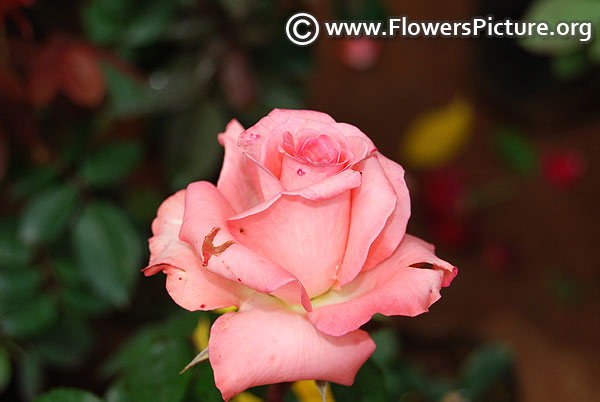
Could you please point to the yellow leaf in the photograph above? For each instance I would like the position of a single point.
(307, 391)
(201, 332)
(437, 136)
(246, 397)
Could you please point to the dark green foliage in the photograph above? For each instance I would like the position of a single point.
(67, 395)
(5, 369)
(107, 250)
(148, 365)
(46, 216)
(484, 367)
(368, 386)
(108, 165)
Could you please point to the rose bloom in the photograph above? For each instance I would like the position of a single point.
(304, 233)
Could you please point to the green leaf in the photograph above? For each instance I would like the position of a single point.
(368, 386)
(180, 85)
(128, 23)
(19, 283)
(412, 379)
(132, 349)
(484, 367)
(204, 387)
(110, 164)
(516, 150)
(78, 297)
(192, 150)
(5, 370)
(107, 250)
(30, 374)
(553, 12)
(21, 320)
(154, 376)
(388, 348)
(149, 23)
(67, 395)
(103, 20)
(127, 95)
(32, 181)
(67, 344)
(179, 326)
(47, 215)
(117, 393)
(84, 301)
(149, 363)
(13, 251)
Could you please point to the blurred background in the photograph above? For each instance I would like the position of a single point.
(109, 106)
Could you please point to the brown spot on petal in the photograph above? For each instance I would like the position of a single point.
(209, 249)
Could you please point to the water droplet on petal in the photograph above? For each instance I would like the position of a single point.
(301, 172)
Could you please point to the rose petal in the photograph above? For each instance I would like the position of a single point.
(329, 187)
(188, 283)
(267, 185)
(306, 237)
(262, 140)
(351, 131)
(264, 343)
(234, 182)
(296, 174)
(372, 204)
(360, 148)
(394, 288)
(395, 228)
(304, 114)
(207, 209)
(260, 143)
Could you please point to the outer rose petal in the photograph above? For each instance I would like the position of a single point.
(303, 114)
(265, 343)
(393, 288)
(188, 283)
(259, 143)
(266, 184)
(206, 209)
(306, 237)
(395, 228)
(372, 203)
(352, 131)
(234, 182)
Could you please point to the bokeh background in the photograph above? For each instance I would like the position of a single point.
(109, 106)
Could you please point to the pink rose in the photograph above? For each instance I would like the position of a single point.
(305, 234)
